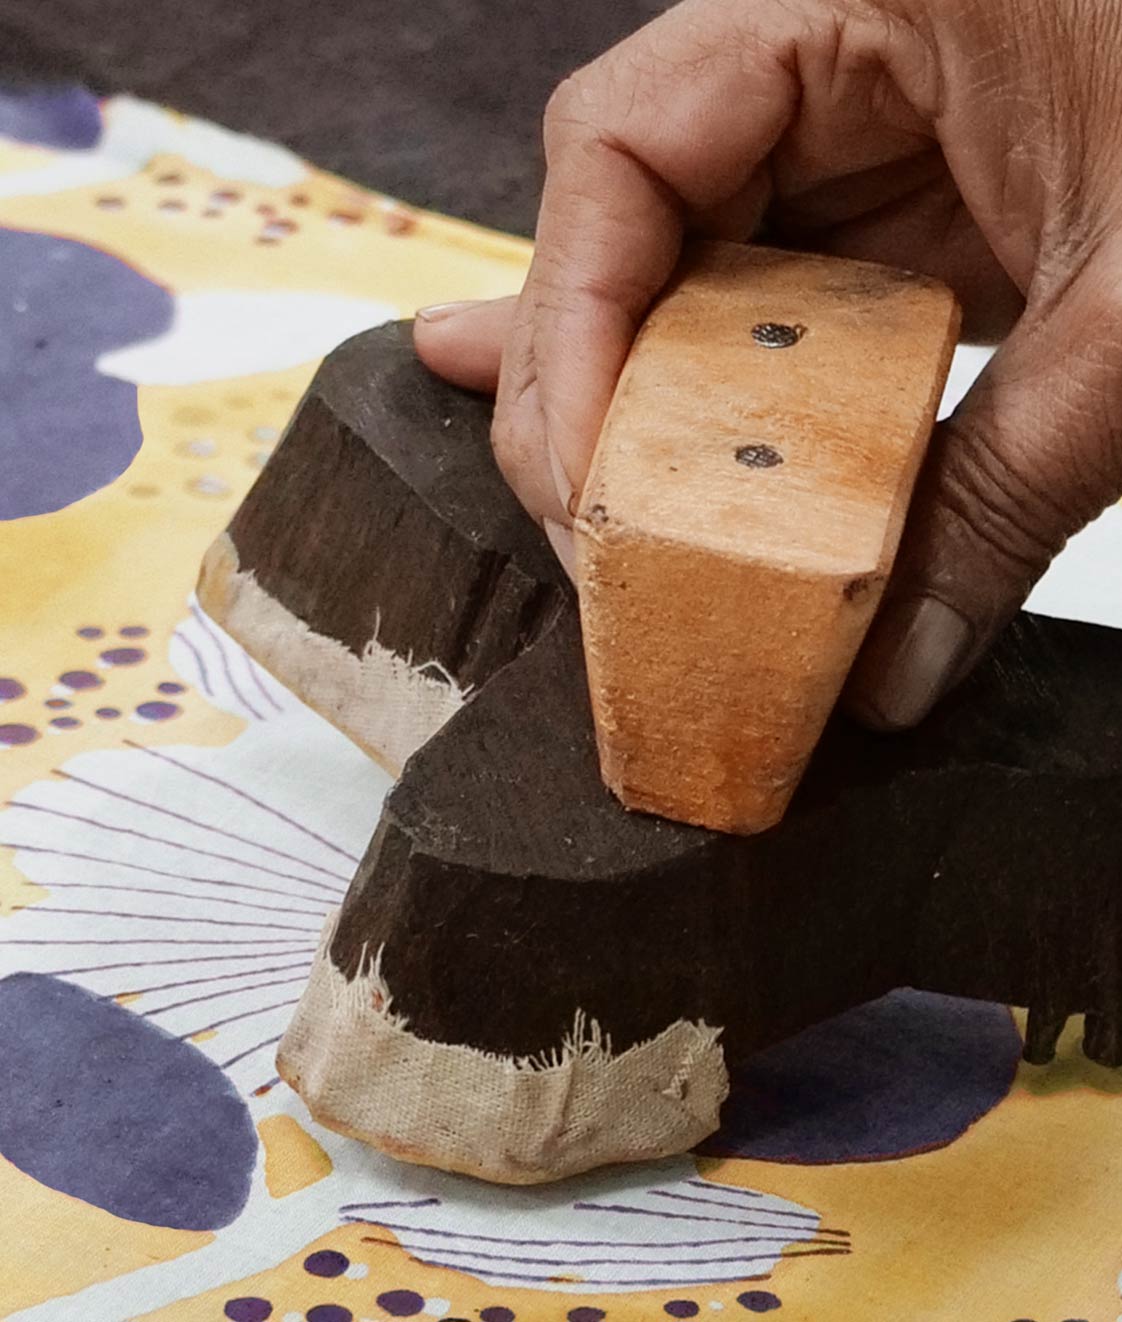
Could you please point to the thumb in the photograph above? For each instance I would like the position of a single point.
(1032, 454)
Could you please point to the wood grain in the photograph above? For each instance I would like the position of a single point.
(742, 514)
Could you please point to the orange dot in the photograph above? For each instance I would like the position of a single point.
(399, 222)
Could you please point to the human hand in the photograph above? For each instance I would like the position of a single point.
(979, 141)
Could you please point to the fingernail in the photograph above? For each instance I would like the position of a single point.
(565, 493)
(915, 656)
(561, 539)
(439, 311)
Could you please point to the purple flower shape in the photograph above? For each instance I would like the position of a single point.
(905, 1074)
(66, 117)
(65, 429)
(106, 1107)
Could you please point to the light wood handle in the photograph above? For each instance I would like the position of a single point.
(742, 514)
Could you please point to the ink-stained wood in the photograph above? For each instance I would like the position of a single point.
(979, 856)
(318, 572)
(507, 894)
(741, 516)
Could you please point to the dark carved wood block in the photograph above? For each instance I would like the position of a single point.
(510, 915)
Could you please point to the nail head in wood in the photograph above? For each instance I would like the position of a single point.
(775, 335)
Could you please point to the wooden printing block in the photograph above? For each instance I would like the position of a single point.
(378, 578)
(741, 517)
(525, 980)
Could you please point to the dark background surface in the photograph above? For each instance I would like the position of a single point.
(437, 102)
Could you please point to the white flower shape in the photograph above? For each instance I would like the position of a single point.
(217, 334)
(191, 884)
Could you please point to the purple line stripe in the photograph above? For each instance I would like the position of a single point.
(201, 621)
(234, 1018)
(185, 959)
(400, 1229)
(736, 1207)
(611, 1262)
(671, 1216)
(190, 646)
(730, 1188)
(649, 1284)
(255, 675)
(160, 918)
(416, 1202)
(228, 991)
(178, 895)
(173, 844)
(249, 1051)
(150, 941)
(213, 977)
(202, 826)
(269, 1083)
(160, 872)
(249, 798)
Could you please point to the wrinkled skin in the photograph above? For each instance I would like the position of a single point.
(979, 141)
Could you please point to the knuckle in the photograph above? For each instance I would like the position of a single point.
(568, 113)
(561, 99)
(513, 441)
(509, 454)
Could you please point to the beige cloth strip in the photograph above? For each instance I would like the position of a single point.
(362, 1072)
(385, 703)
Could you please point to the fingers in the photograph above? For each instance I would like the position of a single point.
(672, 123)
(607, 242)
(909, 215)
(1032, 454)
(467, 343)
(463, 342)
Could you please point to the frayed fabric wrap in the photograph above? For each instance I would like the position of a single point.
(386, 703)
(513, 1121)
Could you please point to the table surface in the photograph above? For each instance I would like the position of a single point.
(438, 103)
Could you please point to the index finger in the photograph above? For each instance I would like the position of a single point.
(674, 121)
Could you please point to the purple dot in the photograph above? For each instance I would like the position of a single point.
(157, 711)
(586, 1315)
(497, 1314)
(248, 1309)
(81, 679)
(107, 713)
(401, 1303)
(65, 722)
(681, 1308)
(11, 688)
(134, 631)
(124, 656)
(759, 1301)
(90, 631)
(329, 1313)
(58, 704)
(326, 1263)
(169, 687)
(11, 736)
